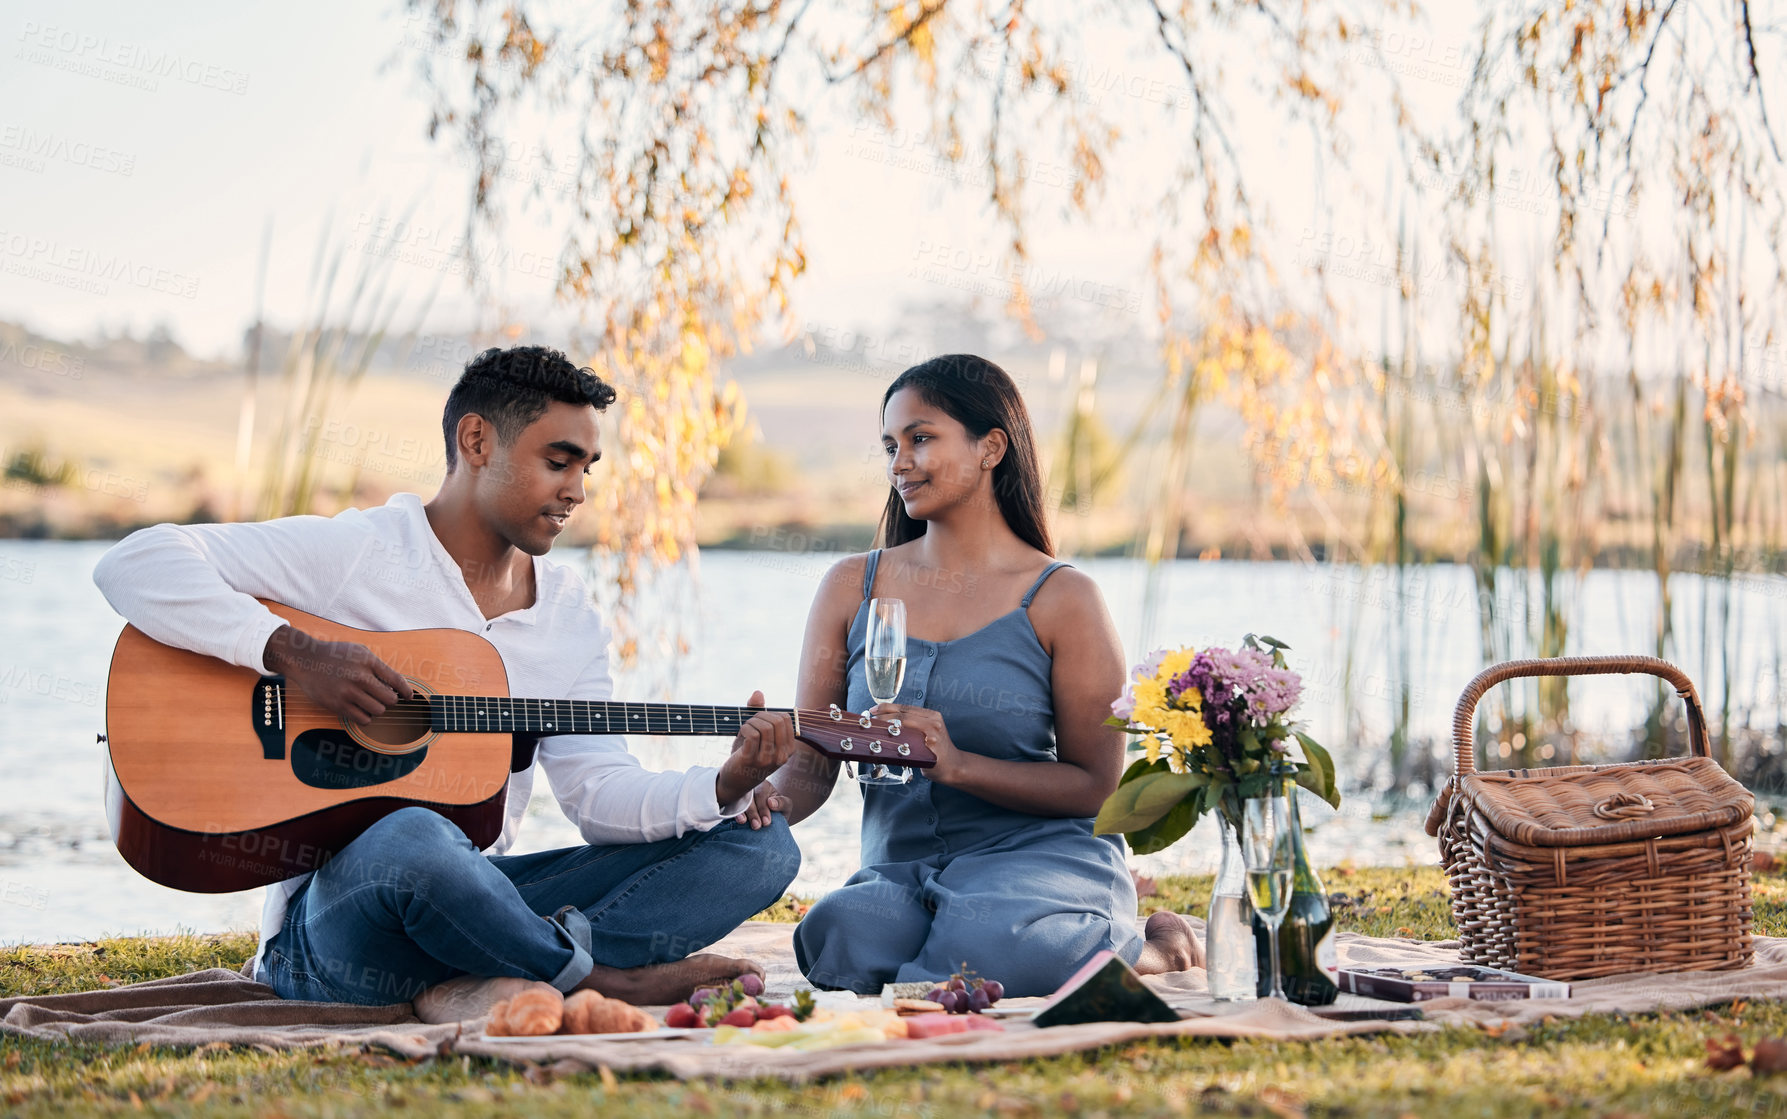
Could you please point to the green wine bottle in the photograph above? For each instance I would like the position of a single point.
(1306, 949)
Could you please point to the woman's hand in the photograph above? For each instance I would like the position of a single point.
(765, 799)
(948, 769)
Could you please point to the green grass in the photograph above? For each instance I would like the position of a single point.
(1599, 1066)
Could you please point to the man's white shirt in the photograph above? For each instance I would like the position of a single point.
(194, 587)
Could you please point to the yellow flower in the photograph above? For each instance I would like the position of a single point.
(1150, 703)
(1174, 664)
(1153, 749)
(1191, 700)
(1186, 729)
(1176, 761)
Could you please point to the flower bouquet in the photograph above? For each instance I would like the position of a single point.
(1210, 723)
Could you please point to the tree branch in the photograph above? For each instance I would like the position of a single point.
(1755, 78)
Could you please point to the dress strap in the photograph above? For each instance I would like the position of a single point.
(868, 573)
(1040, 579)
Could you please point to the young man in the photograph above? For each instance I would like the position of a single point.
(670, 864)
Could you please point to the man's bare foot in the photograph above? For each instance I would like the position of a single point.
(662, 984)
(1170, 945)
(466, 997)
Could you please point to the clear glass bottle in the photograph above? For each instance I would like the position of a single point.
(1228, 929)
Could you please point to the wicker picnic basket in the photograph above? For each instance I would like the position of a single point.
(1581, 871)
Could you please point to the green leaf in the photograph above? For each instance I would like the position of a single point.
(1144, 799)
(1123, 725)
(1273, 642)
(1319, 777)
(1141, 766)
(1169, 829)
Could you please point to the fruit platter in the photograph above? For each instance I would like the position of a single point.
(740, 1014)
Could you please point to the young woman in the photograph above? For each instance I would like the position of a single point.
(1012, 662)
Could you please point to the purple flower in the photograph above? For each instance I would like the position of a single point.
(1123, 707)
(1237, 683)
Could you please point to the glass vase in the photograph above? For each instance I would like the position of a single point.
(1228, 930)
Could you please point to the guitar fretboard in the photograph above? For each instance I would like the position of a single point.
(460, 713)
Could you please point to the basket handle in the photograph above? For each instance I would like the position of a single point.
(1465, 748)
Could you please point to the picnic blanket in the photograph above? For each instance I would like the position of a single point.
(220, 1007)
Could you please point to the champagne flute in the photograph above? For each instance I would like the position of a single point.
(1267, 848)
(884, 663)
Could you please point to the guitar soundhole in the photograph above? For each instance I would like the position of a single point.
(402, 723)
(329, 759)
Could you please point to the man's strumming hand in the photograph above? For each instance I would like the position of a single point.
(343, 677)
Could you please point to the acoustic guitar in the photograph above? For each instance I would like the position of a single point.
(220, 779)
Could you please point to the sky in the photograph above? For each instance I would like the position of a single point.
(310, 117)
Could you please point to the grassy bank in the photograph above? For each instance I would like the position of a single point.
(1605, 1065)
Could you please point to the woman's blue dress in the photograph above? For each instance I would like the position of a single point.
(948, 878)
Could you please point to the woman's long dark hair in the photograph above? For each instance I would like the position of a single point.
(980, 396)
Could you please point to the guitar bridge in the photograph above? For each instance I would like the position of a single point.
(267, 711)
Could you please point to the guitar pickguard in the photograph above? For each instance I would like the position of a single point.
(329, 759)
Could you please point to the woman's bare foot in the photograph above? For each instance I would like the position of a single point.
(662, 984)
(1170, 945)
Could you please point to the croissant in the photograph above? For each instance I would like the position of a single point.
(538, 1010)
(590, 1012)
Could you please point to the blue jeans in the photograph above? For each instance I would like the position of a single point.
(411, 902)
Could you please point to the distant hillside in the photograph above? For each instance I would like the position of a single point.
(101, 436)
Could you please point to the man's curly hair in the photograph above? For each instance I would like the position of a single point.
(511, 388)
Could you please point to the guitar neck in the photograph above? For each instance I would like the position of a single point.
(482, 714)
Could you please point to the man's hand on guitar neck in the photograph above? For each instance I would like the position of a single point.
(762, 746)
(343, 677)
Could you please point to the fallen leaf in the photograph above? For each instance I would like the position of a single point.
(1283, 1104)
(1404, 930)
(1763, 861)
(609, 1080)
(853, 1092)
(1770, 1055)
(1726, 1054)
(1145, 887)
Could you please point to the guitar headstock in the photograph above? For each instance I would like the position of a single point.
(847, 736)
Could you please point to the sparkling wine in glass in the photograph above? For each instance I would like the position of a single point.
(884, 664)
(1266, 847)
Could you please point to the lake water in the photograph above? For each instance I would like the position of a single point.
(61, 879)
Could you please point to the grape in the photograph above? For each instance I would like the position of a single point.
(957, 983)
(994, 989)
(752, 984)
(979, 1001)
(934, 994)
(702, 994)
(951, 1002)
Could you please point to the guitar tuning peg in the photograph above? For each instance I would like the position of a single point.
(835, 713)
(893, 727)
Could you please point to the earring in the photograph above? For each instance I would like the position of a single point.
(983, 464)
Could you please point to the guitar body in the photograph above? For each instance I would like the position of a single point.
(219, 779)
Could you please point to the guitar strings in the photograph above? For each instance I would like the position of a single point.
(406, 713)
